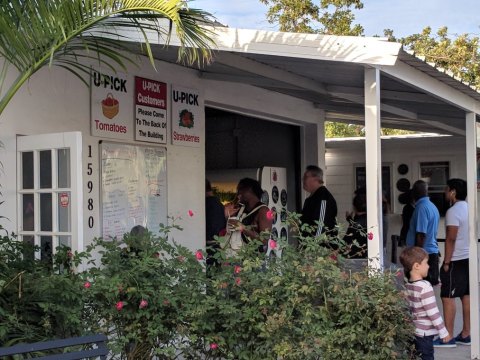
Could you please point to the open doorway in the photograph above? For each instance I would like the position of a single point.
(238, 145)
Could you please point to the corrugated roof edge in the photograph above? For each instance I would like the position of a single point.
(404, 53)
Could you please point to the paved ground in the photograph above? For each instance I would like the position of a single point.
(461, 351)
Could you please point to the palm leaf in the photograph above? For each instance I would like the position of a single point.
(35, 33)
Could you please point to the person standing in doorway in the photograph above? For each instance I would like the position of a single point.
(454, 273)
(255, 224)
(424, 227)
(320, 207)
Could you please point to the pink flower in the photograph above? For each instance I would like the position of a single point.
(272, 244)
(143, 304)
(87, 285)
(238, 281)
(190, 213)
(181, 258)
(237, 269)
(213, 346)
(370, 236)
(270, 214)
(199, 255)
(333, 257)
(119, 305)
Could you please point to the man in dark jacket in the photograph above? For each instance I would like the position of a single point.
(215, 222)
(320, 207)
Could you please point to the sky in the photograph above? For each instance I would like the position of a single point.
(404, 17)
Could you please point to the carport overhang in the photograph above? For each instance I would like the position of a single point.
(360, 80)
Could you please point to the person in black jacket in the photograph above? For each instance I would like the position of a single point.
(320, 208)
(215, 222)
(356, 234)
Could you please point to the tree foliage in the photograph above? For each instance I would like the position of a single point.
(338, 130)
(331, 17)
(459, 55)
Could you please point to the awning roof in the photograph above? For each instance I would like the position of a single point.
(329, 72)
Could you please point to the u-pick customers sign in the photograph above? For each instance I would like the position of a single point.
(111, 105)
(187, 117)
(150, 111)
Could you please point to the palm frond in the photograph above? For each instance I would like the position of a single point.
(35, 33)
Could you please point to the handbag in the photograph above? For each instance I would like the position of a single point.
(234, 240)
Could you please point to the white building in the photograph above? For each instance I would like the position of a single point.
(63, 156)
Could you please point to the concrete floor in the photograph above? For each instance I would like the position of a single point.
(461, 351)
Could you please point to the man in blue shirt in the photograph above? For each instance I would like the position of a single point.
(423, 228)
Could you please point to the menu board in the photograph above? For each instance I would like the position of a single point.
(134, 188)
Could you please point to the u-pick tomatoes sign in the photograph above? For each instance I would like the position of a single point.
(111, 105)
(150, 111)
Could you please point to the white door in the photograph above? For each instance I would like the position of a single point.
(49, 183)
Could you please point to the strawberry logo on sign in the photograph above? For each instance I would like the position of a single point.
(64, 199)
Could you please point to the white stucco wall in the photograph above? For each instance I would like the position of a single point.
(55, 101)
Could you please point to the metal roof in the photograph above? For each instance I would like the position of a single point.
(328, 71)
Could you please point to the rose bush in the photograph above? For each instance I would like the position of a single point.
(152, 297)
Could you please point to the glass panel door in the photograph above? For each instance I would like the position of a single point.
(49, 192)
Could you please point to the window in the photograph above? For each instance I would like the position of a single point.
(361, 181)
(436, 174)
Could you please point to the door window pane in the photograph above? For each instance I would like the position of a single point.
(65, 241)
(46, 248)
(63, 206)
(46, 212)
(63, 168)
(45, 169)
(29, 250)
(28, 212)
(27, 170)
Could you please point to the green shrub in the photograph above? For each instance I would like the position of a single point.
(152, 297)
(303, 306)
(38, 301)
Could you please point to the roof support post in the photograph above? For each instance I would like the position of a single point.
(471, 151)
(373, 163)
(313, 145)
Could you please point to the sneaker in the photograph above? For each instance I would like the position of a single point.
(438, 343)
(463, 340)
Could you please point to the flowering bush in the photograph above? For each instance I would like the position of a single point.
(38, 301)
(143, 294)
(305, 305)
(152, 297)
